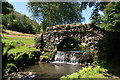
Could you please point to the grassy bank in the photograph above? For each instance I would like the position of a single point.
(18, 51)
(20, 44)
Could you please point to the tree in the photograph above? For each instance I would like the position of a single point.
(7, 8)
(110, 21)
(56, 13)
(13, 20)
(97, 6)
(18, 22)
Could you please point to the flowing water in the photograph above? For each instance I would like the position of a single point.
(53, 70)
(71, 57)
(65, 63)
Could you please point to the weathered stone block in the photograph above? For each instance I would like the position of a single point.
(88, 33)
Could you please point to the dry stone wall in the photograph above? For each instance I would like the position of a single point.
(88, 33)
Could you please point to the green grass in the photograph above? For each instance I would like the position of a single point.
(24, 40)
(20, 44)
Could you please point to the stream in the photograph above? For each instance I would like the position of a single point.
(65, 63)
(53, 70)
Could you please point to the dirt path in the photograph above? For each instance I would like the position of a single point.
(9, 33)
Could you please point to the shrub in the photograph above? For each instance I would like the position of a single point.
(88, 72)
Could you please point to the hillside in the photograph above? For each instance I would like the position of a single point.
(10, 33)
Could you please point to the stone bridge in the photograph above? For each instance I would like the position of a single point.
(89, 34)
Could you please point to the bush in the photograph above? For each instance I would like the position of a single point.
(17, 57)
(88, 72)
(49, 55)
(10, 68)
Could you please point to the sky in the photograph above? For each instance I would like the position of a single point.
(21, 7)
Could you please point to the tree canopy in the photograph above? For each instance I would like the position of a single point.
(111, 19)
(7, 8)
(56, 13)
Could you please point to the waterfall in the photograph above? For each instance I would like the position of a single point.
(71, 57)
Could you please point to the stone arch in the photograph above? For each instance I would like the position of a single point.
(89, 34)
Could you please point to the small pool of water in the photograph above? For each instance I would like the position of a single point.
(53, 70)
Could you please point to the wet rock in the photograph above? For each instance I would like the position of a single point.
(21, 75)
